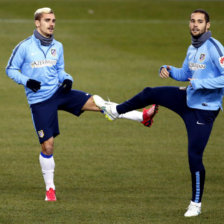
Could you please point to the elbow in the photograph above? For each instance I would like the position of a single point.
(7, 71)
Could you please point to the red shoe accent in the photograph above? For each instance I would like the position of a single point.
(50, 195)
(148, 115)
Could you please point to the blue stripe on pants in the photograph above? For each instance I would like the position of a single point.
(198, 124)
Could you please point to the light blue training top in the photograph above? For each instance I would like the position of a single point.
(205, 66)
(31, 60)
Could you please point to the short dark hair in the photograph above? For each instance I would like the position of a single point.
(207, 18)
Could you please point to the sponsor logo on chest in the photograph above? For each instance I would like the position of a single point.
(199, 62)
(43, 63)
(196, 66)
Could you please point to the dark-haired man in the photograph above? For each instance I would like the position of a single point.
(198, 104)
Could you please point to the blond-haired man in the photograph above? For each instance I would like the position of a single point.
(37, 63)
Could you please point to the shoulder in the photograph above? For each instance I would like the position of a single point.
(25, 41)
(214, 41)
(58, 43)
(191, 47)
(215, 46)
(23, 44)
(59, 47)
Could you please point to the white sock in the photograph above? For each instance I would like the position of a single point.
(198, 204)
(132, 115)
(47, 166)
(114, 109)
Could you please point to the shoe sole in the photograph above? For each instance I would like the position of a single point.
(50, 200)
(188, 216)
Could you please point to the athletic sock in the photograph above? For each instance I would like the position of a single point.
(114, 109)
(132, 115)
(47, 166)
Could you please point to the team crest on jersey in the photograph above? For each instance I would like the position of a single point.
(41, 133)
(202, 57)
(53, 52)
(221, 61)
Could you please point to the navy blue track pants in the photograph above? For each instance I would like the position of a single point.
(198, 124)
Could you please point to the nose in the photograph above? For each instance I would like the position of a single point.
(195, 24)
(52, 23)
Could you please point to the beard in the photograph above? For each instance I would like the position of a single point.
(197, 35)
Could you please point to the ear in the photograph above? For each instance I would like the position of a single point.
(208, 26)
(37, 23)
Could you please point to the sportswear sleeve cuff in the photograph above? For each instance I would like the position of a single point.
(194, 84)
(69, 77)
(24, 80)
(163, 66)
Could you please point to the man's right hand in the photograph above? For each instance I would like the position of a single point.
(164, 73)
(33, 85)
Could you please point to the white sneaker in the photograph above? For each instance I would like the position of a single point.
(106, 107)
(194, 209)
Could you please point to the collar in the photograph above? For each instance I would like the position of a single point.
(197, 42)
(43, 40)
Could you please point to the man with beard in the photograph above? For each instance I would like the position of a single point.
(198, 104)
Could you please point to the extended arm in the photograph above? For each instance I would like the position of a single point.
(179, 74)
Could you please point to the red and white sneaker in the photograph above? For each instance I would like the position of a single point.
(50, 195)
(148, 115)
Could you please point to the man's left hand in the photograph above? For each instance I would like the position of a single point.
(66, 86)
(190, 81)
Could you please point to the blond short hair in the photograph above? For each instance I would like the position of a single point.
(39, 12)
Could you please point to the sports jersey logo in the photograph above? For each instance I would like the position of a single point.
(202, 57)
(53, 52)
(43, 63)
(41, 133)
(221, 61)
(196, 66)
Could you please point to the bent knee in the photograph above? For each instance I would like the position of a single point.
(48, 146)
(147, 90)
